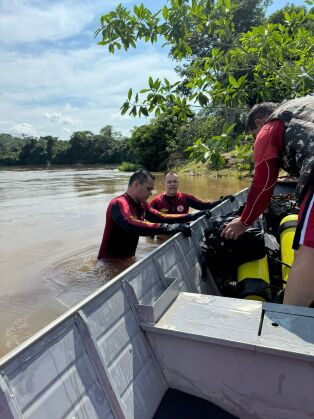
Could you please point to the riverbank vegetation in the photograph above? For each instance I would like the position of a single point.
(228, 55)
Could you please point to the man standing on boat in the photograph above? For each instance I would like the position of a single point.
(174, 202)
(284, 138)
(129, 216)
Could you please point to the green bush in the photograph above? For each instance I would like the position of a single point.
(126, 166)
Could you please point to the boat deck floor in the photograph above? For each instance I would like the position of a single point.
(178, 405)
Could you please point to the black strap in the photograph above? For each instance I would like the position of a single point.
(287, 224)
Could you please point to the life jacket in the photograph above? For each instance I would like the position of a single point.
(297, 155)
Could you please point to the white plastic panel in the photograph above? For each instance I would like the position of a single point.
(288, 333)
(55, 379)
(146, 282)
(219, 318)
(172, 264)
(124, 352)
(192, 262)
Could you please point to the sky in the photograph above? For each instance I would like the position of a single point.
(55, 79)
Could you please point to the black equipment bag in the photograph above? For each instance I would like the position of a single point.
(223, 256)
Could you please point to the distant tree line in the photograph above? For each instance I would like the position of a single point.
(84, 147)
(156, 145)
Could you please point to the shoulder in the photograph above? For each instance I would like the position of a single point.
(268, 142)
(157, 198)
(121, 199)
(273, 127)
(181, 195)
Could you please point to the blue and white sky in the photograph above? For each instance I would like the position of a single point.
(55, 79)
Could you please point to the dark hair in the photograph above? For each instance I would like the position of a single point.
(170, 171)
(261, 110)
(142, 176)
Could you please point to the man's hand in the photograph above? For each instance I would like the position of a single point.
(176, 228)
(234, 229)
(195, 215)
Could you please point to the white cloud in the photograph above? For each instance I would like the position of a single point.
(24, 129)
(67, 130)
(83, 88)
(23, 21)
(57, 117)
(74, 86)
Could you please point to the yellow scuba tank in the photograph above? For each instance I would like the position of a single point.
(253, 280)
(287, 229)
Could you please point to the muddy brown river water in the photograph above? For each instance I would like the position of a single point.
(51, 224)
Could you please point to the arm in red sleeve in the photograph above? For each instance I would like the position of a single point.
(196, 203)
(261, 190)
(123, 217)
(159, 217)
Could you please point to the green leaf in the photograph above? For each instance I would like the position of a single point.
(151, 82)
(202, 99)
(133, 111)
(165, 12)
(227, 4)
(136, 11)
(144, 110)
(286, 16)
(124, 108)
(233, 81)
(130, 94)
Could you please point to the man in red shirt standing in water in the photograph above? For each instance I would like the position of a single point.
(173, 202)
(284, 138)
(129, 216)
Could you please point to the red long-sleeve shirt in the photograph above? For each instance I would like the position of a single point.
(267, 149)
(178, 204)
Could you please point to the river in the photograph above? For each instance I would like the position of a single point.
(51, 225)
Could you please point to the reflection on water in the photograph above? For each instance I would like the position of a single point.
(76, 276)
(51, 224)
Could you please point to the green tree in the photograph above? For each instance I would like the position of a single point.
(80, 146)
(150, 142)
(10, 148)
(270, 60)
(238, 66)
(34, 152)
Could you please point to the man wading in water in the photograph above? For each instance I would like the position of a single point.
(174, 202)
